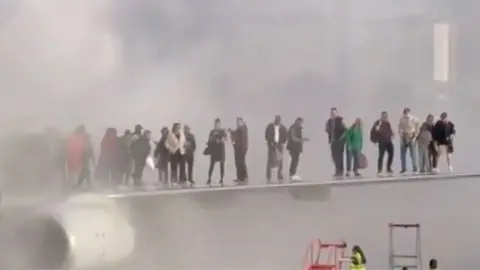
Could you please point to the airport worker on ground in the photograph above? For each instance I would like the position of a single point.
(359, 260)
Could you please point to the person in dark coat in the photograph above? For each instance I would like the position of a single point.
(140, 149)
(239, 138)
(381, 133)
(442, 136)
(108, 160)
(125, 157)
(216, 150)
(190, 148)
(335, 128)
(161, 155)
(295, 147)
(276, 136)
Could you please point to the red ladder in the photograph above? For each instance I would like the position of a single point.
(324, 256)
(417, 257)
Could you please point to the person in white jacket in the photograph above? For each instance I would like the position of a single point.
(408, 130)
(175, 145)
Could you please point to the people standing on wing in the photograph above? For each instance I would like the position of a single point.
(190, 148)
(335, 128)
(175, 145)
(295, 147)
(125, 157)
(79, 157)
(382, 134)
(408, 129)
(424, 142)
(140, 149)
(161, 155)
(442, 136)
(276, 135)
(108, 166)
(216, 150)
(353, 137)
(239, 138)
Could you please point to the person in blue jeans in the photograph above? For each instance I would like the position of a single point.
(408, 129)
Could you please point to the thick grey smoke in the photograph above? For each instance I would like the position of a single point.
(118, 63)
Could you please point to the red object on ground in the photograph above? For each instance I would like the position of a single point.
(324, 256)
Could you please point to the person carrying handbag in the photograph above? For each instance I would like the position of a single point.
(354, 140)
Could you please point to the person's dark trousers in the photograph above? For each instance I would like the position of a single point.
(189, 161)
(275, 160)
(337, 149)
(434, 154)
(127, 171)
(163, 170)
(138, 167)
(240, 164)
(295, 159)
(385, 147)
(212, 165)
(177, 168)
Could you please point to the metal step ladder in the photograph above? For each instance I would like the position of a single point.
(406, 258)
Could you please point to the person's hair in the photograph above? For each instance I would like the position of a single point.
(358, 249)
(443, 115)
(384, 112)
(433, 264)
(406, 110)
(216, 121)
(404, 268)
(127, 132)
(175, 126)
(359, 123)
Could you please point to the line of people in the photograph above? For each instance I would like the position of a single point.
(124, 158)
(425, 142)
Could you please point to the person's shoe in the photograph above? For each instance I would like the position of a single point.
(389, 171)
(415, 170)
(403, 171)
(191, 183)
(295, 178)
(347, 174)
(209, 182)
(450, 168)
(357, 174)
(221, 182)
(380, 174)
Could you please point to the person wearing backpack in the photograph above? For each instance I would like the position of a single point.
(382, 135)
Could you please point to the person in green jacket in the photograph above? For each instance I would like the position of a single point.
(354, 140)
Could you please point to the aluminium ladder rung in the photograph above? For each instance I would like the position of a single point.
(394, 225)
(405, 256)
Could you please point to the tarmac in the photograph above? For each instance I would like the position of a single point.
(269, 227)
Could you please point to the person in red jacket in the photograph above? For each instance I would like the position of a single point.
(79, 155)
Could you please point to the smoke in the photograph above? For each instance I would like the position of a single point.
(118, 63)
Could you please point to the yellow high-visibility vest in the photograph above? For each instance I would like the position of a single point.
(358, 266)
